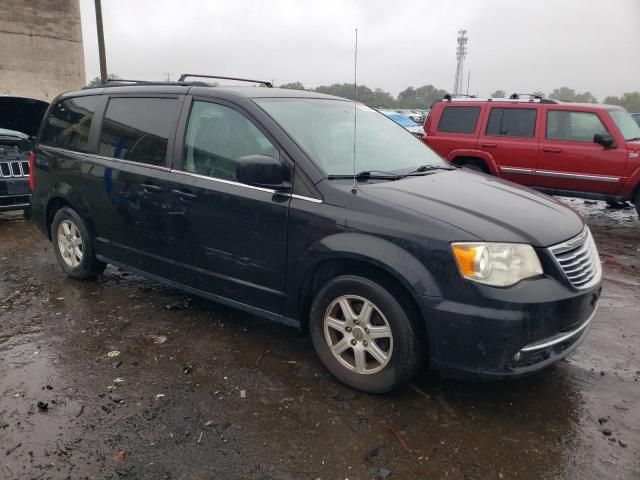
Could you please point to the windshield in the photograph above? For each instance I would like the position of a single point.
(627, 125)
(324, 130)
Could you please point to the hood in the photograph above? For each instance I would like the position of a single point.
(487, 207)
(22, 114)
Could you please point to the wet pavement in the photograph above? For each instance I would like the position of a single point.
(194, 390)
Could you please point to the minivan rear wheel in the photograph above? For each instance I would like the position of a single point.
(72, 245)
(364, 335)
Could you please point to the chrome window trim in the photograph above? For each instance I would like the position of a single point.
(105, 159)
(182, 172)
(578, 176)
(308, 199)
(221, 180)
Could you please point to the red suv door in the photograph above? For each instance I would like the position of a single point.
(509, 135)
(570, 160)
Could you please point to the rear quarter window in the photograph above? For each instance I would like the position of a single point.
(459, 119)
(69, 122)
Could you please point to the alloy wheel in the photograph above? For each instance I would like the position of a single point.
(70, 243)
(358, 334)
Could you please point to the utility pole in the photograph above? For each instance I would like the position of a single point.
(103, 58)
(468, 80)
(461, 53)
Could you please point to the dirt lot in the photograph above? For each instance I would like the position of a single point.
(201, 391)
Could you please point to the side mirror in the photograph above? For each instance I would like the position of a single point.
(262, 171)
(605, 140)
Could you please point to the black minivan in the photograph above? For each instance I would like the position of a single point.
(321, 213)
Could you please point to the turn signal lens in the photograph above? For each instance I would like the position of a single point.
(496, 264)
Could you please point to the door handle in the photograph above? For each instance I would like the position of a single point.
(150, 187)
(184, 195)
(489, 145)
(551, 149)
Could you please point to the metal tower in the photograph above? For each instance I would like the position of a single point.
(461, 53)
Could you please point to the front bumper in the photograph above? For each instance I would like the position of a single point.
(14, 194)
(516, 332)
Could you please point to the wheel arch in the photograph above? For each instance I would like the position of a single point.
(631, 188)
(457, 157)
(365, 255)
(64, 197)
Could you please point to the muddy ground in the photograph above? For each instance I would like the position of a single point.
(202, 391)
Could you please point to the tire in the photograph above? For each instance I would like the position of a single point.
(617, 205)
(636, 203)
(402, 344)
(478, 167)
(73, 245)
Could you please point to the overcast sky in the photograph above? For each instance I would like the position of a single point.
(515, 45)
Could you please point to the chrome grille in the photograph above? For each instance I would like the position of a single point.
(579, 260)
(13, 169)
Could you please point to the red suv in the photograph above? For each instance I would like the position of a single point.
(573, 149)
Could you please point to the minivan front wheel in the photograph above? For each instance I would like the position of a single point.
(72, 245)
(364, 335)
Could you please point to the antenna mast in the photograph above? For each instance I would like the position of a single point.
(354, 188)
(461, 53)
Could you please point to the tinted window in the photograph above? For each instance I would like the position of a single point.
(574, 126)
(512, 122)
(459, 119)
(69, 123)
(138, 129)
(217, 136)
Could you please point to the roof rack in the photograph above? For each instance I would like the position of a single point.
(516, 96)
(450, 97)
(261, 82)
(511, 99)
(121, 82)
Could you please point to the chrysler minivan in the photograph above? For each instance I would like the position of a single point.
(270, 201)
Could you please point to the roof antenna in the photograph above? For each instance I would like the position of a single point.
(354, 188)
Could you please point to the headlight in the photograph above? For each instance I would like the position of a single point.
(497, 264)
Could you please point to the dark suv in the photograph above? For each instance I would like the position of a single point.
(246, 195)
(19, 121)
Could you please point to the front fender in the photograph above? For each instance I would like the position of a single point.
(384, 254)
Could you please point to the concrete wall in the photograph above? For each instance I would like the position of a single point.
(41, 52)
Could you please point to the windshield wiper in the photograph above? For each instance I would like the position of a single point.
(633, 139)
(381, 175)
(424, 170)
(368, 174)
